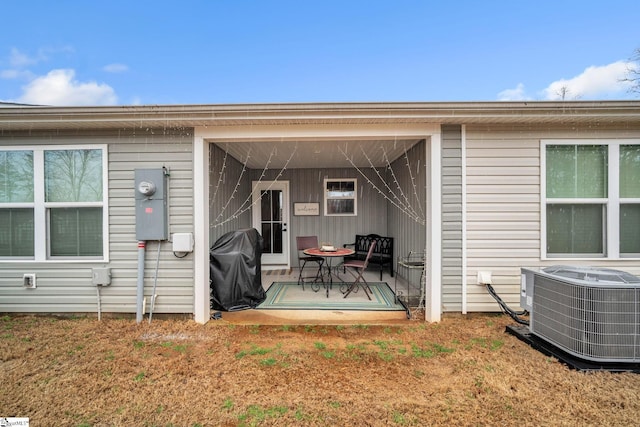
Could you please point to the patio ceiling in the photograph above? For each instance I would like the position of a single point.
(317, 154)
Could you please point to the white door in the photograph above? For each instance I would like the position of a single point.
(271, 219)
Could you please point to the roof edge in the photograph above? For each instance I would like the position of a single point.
(193, 115)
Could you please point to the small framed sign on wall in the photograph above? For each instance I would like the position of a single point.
(306, 209)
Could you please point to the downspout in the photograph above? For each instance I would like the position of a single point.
(140, 288)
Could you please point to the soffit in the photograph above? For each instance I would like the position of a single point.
(317, 154)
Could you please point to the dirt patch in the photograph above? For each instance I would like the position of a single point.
(463, 371)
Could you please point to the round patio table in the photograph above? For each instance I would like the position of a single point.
(328, 257)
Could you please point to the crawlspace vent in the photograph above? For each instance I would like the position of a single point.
(593, 322)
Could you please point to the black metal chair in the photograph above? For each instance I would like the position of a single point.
(308, 242)
(356, 268)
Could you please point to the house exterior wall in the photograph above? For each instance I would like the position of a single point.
(452, 218)
(64, 286)
(504, 228)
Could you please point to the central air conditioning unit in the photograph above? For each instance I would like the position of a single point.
(590, 313)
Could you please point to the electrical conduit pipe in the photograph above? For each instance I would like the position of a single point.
(140, 289)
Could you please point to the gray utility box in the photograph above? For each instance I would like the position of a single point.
(151, 204)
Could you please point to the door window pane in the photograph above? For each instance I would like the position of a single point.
(75, 231)
(276, 205)
(16, 176)
(266, 237)
(630, 171)
(265, 205)
(277, 238)
(73, 175)
(577, 171)
(630, 229)
(16, 232)
(575, 229)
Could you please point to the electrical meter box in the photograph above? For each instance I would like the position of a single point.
(151, 204)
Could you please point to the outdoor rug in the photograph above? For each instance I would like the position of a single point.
(290, 296)
(281, 272)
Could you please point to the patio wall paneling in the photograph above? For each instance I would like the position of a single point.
(409, 235)
(306, 185)
(223, 202)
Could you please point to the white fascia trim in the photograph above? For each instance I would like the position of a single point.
(463, 162)
(201, 229)
(287, 132)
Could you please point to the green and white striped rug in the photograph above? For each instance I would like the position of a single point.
(290, 296)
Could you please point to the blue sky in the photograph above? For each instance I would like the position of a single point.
(113, 52)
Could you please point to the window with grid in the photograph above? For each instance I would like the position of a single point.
(592, 199)
(340, 197)
(52, 203)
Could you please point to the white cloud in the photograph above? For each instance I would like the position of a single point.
(19, 59)
(115, 68)
(517, 94)
(59, 88)
(595, 82)
(9, 74)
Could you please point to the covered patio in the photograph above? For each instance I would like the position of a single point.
(396, 167)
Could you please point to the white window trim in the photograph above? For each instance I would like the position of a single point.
(40, 206)
(612, 202)
(354, 198)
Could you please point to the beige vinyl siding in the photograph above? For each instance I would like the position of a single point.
(67, 286)
(452, 218)
(503, 205)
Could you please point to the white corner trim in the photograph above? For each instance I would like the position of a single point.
(201, 229)
(433, 304)
(463, 160)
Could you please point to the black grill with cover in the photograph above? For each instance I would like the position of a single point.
(235, 282)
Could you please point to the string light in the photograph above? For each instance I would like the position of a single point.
(395, 180)
(405, 207)
(224, 165)
(407, 212)
(413, 181)
(384, 181)
(235, 190)
(243, 209)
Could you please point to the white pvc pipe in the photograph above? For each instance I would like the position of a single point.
(155, 283)
(140, 288)
(99, 307)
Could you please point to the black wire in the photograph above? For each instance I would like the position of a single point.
(512, 313)
(185, 254)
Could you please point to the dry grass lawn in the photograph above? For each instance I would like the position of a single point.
(463, 371)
